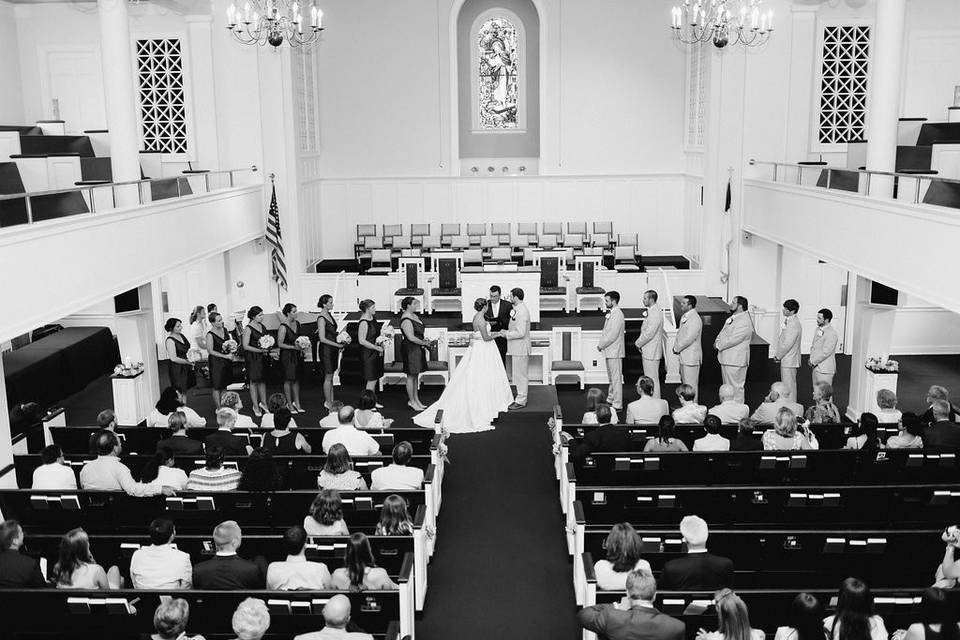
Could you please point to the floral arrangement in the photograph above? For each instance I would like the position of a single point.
(266, 342)
(230, 346)
(882, 364)
(386, 334)
(343, 338)
(194, 356)
(128, 369)
(303, 342)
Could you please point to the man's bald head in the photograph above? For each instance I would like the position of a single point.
(336, 613)
(345, 414)
(778, 391)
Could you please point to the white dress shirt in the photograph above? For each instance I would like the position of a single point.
(396, 477)
(646, 410)
(711, 442)
(330, 420)
(157, 419)
(107, 473)
(358, 443)
(161, 566)
(296, 573)
(172, 477)
(690, 414)
(54, 476)
(590, 417)
(730, 411)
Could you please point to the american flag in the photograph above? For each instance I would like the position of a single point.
(278, 265)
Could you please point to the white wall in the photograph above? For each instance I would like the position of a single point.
(920, 328)
(931, 50)
(11, 106)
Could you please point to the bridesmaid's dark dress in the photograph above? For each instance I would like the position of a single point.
(371, 360)
(255, 361)
(179, 373)
(285, 445)
(290, 360)
(329, 356)
(414, 355)
(220, 369)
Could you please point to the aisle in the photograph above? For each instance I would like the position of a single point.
(500, 568)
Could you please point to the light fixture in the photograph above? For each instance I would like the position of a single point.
(272, 22)
(722, 22)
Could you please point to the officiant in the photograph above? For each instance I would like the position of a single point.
(498, 315)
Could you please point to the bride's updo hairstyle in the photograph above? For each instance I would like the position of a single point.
(365, 304)
(479, 304)
(406, 302)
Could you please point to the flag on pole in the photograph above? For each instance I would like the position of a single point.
(726, 233)
(278, 266)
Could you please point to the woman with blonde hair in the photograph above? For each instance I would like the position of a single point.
(170, 620)
(251, 619)
(76, 568)
(786, 435)
(887, 401)
(733, 619)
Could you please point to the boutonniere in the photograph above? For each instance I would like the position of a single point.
(684, 319)
(730, 320)
(606, 315)
(819, 333)
(513, 313)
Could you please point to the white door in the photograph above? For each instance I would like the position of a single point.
(73, 83)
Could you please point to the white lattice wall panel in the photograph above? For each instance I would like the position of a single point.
(843, 83)
(163, 116)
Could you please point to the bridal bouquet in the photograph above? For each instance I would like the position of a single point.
(882, 364)
(230, 346)
(266, 342)
(343, 338)
(303, 342)
(194, 356)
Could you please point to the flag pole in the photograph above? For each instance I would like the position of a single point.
(276, 280)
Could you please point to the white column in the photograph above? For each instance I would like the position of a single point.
(6, 444)
(884, 105)
(872, 334)
(803, 41)
(116, 51)
(202, 94)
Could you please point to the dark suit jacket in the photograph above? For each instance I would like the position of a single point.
(499, 322)
(227, 573)
(609, 437)
(697, 572)
(19, 571)
(942, 435)
(182, 446)
(232, 445)
(928, 419)
(636, 623)
(745, 443)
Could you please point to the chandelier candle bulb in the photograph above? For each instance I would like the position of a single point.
(319, 19)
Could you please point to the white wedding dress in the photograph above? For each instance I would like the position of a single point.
(477, 392)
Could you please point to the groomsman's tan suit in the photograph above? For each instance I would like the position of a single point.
(688, 348)
(788, 353)
(612, 347)
(823, 354)
(733, 351)
(650, 344)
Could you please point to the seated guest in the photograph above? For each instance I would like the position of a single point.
(698, 570)
(338, 473)
(261, 473)
(172, 399)
(227, 571)
(911, 433)
(366, 416)
(397, 476)
(854, 617)
(944, 433)
(358, 443)
(161, 565)
(170, 620)
(214, 476)
(713, 441)
(223, 437)
(332, 419)
(106, 420)
(180, 443)
(76, 569)
(606, 437)
(823, 410)
(777, 399)
(274, 402)
(938, 618)
(745, 440)
(729, 410)
(887, 401)
(786, 435)
(864, 433)
(646, 410)
(360, 571)
(54, 473)
(936, 392)
(666, 439)
(641, 620)
(326, 515)
(107, 473)
(623, 548)
(733, 620)
(689, 411)
(231, 400)
(161, 468)
(17, 570)
(596, 397)
(805, 620)
(251, 620)
(336, 617)
(281, 441)
(296, 573)
(394, 518)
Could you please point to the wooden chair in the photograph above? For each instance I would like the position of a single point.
(473, 258)
(447, 273)
(364, 231)
(417, 232)
(489, 243)
(475, 232)
(501, 255)
(370, 243)
(400, 244)
(431, 243)
(519, 245)
(438, 364)
(381, 262)
(577, 227)
(548, 241)
(460, 242)
(566, 345)
(587, 266)
(412, 268)
(575, 241)
(391, 231)
(603, 227)
(551, 288)
(447, 231)
(624, 260)
(392, 361)
(502, 231)
(552, 229)
(529, 229)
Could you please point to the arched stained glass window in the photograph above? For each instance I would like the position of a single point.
(498, 48)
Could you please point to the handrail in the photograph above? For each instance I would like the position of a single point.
(873, 172)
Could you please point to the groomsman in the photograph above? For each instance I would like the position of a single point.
(788, 347)
(650, 342)
(733, 346)
(687, 343)
(498, 315)
(518, 346)
(823, 351)
(612, 348)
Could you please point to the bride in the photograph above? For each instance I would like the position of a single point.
(478, 390)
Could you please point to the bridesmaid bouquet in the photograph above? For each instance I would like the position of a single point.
(303, 342)
(343, 338)
(194, 356)
(230, 346)
(266, 342)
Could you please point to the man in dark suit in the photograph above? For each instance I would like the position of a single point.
(606, 437)
(642, 621)
(232, 445)
(934, 393)
(498, 315)
(227, 571)
(180, 444)
(17, 571)
(943, 434)
(698, 570)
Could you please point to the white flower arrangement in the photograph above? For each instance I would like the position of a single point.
(343, 338)
(230, 346)
(194, 356)
(882, 364)
(266, 342)
(388, 331)
(303, 343)
(128, 369)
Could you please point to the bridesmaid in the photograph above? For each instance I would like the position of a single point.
(255, 358)
(221, 362)
(329, 348)
(413, 351)
(178, 367)
(371, 354)
(291, 357)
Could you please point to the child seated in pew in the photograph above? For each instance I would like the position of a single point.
(338, 473)
(360, 571)
(666, 439)
(596, 397)
(162, 468)
(394, 518)
(326, 515)
(76, 569)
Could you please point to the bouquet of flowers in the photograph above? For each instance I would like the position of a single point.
(194, 356)
(266, 342)
(343, 338)
(303, 342)
(230, 346)
(882, 364)
(128, 369)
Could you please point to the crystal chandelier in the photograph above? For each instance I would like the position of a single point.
(722, 22)
(271, 22)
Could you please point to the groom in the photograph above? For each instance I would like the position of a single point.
(498, 315)
(518, 345)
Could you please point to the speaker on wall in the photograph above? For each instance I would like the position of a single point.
(127, 301)
(882, 294)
